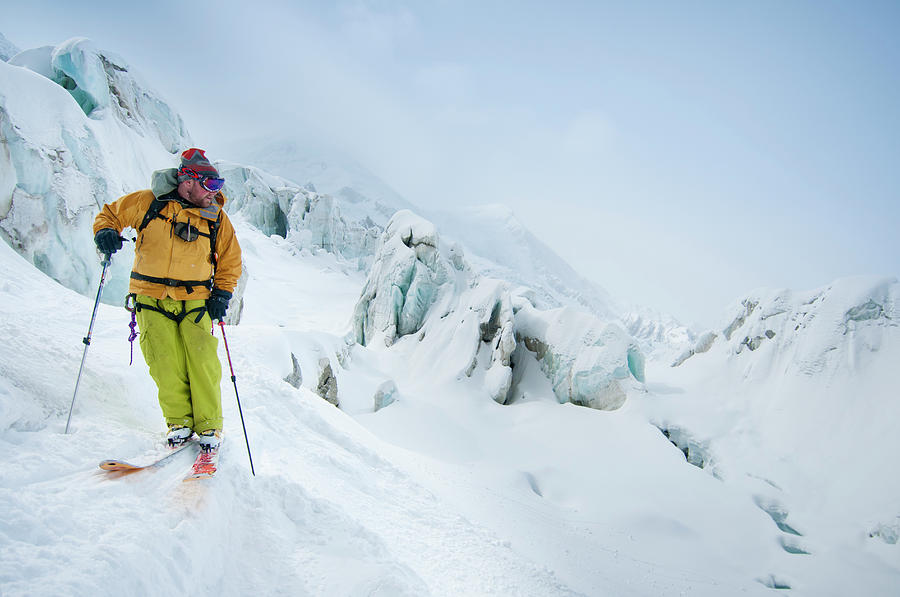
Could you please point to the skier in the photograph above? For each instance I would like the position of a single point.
(186, 264)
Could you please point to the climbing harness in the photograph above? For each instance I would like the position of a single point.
(134, 306)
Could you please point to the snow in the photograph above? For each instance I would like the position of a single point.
(764, 459)
(442, 492)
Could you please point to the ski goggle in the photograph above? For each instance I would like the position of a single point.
(209, 183)
(212, 184)
(186, 232)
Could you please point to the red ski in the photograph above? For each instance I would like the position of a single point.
(205, 465)
(144, 462)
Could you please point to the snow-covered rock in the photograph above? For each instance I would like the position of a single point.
(327, 385)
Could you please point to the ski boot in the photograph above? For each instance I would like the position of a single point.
(178, 434)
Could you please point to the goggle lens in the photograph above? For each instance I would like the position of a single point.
(212, 184)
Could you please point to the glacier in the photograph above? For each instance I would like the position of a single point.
(419, 375)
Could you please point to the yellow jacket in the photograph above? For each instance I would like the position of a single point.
(161, 254)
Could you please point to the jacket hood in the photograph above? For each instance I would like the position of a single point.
(165, 181)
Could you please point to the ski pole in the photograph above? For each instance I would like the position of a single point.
(87, 339)
(234, 381)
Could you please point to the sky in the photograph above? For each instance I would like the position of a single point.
(678, 154)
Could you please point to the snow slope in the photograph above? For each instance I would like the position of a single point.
(327, 513)
(333, 510)
(444, 492)
(795, 403)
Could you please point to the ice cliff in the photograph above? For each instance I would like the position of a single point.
(101, 82)
(107, 133)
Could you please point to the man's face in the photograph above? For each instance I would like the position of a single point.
(196, 194)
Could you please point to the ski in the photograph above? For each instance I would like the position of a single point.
(145, 462)
(205, 465)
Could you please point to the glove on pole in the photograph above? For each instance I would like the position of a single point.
(87, 339)
(234, 381)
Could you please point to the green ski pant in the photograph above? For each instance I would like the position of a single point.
(183, 360)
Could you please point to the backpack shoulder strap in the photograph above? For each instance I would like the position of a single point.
(213, 234)
(156, 206)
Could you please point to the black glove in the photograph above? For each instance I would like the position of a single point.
(108, 241)
(217, 303)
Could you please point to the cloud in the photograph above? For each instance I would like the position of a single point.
(381, 31)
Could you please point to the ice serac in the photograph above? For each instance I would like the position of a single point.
(466, 325)
(589, 362)
(78, 131)
(102, 82)
(305, 218)
(403, 283)
(422, 294)
(470, 333)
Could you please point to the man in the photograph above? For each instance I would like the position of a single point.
(186, 264)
